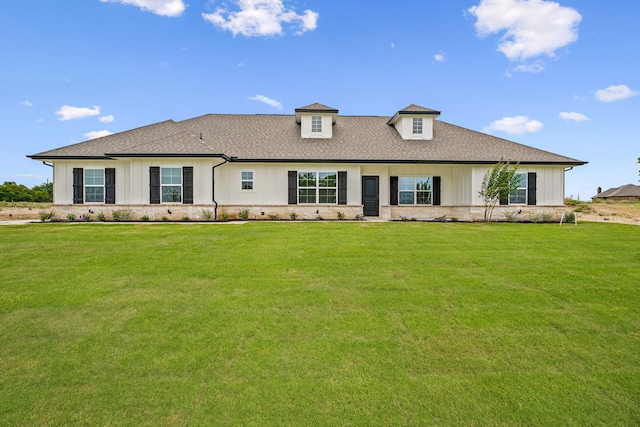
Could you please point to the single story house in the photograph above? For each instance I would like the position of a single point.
(315, 163)
(627, 192)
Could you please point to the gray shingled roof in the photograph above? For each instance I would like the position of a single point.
(248, 137)
(628, 190)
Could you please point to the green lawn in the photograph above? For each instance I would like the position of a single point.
(320, 323)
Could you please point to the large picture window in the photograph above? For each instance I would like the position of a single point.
(171, 185)
(415, 190)
(519, 195)
(94, 185)
(317, 187)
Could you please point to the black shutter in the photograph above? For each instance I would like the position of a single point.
(504, 202)
(187, 185)
(110, 186)
(342, 187)
(393, 190)
(531, 188)
(78, 186)
(293, 187)
(436, 190)
(154, 185)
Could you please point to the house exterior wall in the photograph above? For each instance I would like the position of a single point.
(269, 197)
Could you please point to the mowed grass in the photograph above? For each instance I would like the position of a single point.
(320, 323)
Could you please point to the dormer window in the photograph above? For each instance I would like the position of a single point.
(316, 121)
(417, 125)
(316, 124)
(414, 122)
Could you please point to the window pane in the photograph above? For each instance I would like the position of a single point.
(306, 179)
(247, 185)
(518, 196)
(328, 179)
(423, 184)
(93, 177)
(247, 176)
(171, 194)
(417, 125)
(423, 197)
(406, 198)
(171, 176)
(405, 183)
(327, 195)
(307, 195)
(316, 124)
(94, 194)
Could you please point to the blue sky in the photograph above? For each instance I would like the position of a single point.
(561, 76)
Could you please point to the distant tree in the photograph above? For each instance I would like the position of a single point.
(12, 192)
(43, 192)
(498, 183)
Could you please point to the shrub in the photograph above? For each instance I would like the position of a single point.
(511, 216)
(101, 216)
(71, 217)
(165, 219)
(122, 215)
(185, 218)
(273, 217)
(340, 215)
(582, 208)
(546, 217)
(47, 215)
(145, 218)
(293, 216)
(206, 214)
(243, 214)
(569, 217)
(224, 216)
(87, 217)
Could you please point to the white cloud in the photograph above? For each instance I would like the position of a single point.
(67, 112)
(106, 119)
(615, 93)
(262, 18)
(26, 104)
(533, 68)
(97, 134)
(270, 102)
(393, 45)
(532, 27)
(516, 125)
(170, 8)
(439, 57)
(573, 117)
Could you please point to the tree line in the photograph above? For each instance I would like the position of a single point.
(12, 192)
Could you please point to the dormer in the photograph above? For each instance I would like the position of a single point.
(414, 122)
(316, 120)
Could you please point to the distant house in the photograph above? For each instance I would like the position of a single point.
(314, 163)
(627, 192)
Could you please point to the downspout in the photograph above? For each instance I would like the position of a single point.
(53, 188)
(213, 187)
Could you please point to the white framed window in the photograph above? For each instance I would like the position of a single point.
(417, 125)
(316, 124)
(171, 185)
(247, 180)
(415, 190)
(94, 185)
(318, 187)
(519, 195)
